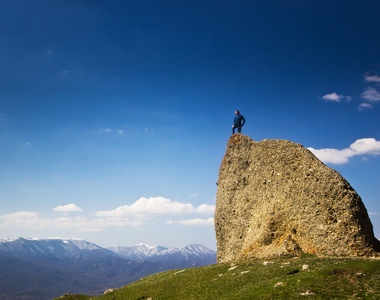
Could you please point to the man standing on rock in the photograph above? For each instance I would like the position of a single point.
(239, 122)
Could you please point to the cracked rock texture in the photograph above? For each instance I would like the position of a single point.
(276, 198)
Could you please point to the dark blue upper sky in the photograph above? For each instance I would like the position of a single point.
(103, 102)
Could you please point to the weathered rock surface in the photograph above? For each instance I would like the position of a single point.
(276, 198)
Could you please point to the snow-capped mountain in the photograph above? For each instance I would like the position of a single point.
(193, 255)
(55, 247)
(47, 268)
(197, 250)
(33, 268)
(141, 251)
(144, 251)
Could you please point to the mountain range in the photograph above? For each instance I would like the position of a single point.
(46, 268)
(173, 258)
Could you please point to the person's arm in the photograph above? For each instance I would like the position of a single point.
(243, 121)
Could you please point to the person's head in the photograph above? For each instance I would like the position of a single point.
(237, 112)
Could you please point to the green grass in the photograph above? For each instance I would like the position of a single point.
(326, 278)
(74, 297)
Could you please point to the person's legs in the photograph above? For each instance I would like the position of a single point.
(238, 128)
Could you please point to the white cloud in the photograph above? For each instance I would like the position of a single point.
(205, 209)
(19, 219)
(67, 208)
(374, 214)
(31, 220)
(111, 131)
(194, 195)
(152, 205)
(364, 106)
(334, 97)
(372, 78)
(366, 146)
(106, 130)
(144, 207)
(332, 155)
(127, 215)
(370, 94)
(193, 222)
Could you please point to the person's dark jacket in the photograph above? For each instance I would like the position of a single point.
(239, 120)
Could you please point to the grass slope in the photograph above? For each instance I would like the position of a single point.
(284, 278)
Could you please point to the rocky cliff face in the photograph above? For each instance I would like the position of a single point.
(276, 198)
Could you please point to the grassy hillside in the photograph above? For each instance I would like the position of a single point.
(285, 278)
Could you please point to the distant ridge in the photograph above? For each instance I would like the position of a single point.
(193, 255)
(44, 268)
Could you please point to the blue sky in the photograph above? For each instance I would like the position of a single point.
(115, 115)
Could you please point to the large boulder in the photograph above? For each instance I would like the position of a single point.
(276, 198)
